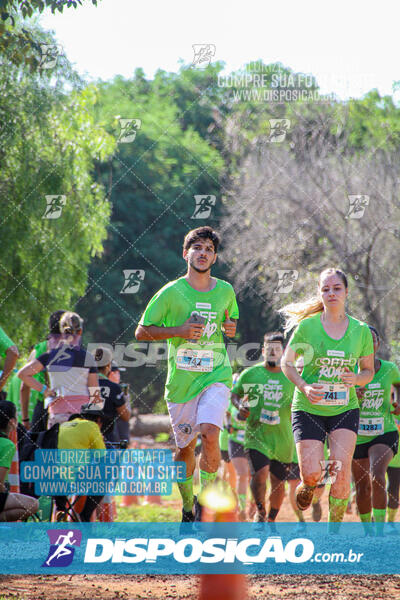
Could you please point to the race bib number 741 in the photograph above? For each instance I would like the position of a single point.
(335, 394)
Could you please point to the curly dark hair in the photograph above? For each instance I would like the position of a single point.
(201, 233)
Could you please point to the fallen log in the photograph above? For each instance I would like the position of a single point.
(149, 425)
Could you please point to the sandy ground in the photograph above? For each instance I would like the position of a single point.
(117, 587)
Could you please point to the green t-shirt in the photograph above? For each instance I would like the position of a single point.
(375, 416)
(223, 439)
(193, 366)
(13, 395)
(7, 451)
(5, 342)
(268, 426)
(35, 396)
(238, 426)
(325, 360)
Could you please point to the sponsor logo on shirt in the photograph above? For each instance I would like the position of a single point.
(204, 309)
(333, 368)
(372, 399)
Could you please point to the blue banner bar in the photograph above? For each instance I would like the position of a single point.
(165, 548)
(103, 472)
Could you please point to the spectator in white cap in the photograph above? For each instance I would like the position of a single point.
(71, 369)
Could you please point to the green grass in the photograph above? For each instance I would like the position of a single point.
(147, 513)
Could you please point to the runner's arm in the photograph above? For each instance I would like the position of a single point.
(26, 374)
(123, 412)
(289, 369)
(24, 395)
(93, 380)
(9, 363)
(235, 398)
(395, 393)
(365, 375)
(150, 333)
(3, 475)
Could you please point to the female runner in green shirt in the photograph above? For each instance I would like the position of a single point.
(325, 402)
(377, 439)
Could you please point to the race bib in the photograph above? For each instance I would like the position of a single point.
(335, 394)
(270, 417)
(240, 435)
(194, 360)
(371, 427)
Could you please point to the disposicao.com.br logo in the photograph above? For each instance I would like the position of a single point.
(62, 547)
(210, 551)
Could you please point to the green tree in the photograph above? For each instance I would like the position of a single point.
(20, 39)
(151, 183)
(53, 211)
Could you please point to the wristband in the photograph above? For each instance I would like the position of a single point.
(44, 388)
(25, 419)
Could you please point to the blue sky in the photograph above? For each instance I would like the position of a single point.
(351, 46)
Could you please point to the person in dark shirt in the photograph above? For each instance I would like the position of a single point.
(114, 401)
(71, 369)
(13, 507)
(27, 395)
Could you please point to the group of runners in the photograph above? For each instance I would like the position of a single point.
(75, 396)
(322, 404)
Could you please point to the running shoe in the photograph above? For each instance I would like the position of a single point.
(260, 517)
(187, 516)
(197, 510)
(304, 496)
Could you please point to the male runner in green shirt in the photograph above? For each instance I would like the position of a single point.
(191, 314)
(377, 438)
(267, 397)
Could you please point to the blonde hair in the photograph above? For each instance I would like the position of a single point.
(70, 323)
(297, 311)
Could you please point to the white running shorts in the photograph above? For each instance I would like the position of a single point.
(207, 407)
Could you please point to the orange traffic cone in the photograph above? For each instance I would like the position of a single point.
(152, 500)
(105, 511)
(220, 505)
(129, 500)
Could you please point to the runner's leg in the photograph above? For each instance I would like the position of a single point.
(341, 445)
(393, 492)
(242, 470)
(362, 480)
(210, 453)
(310, 454)
(380, 456)
(211, 409)
(187, 456)
(293, 483)
(258, 486)
(276, 496)
(18, 506)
